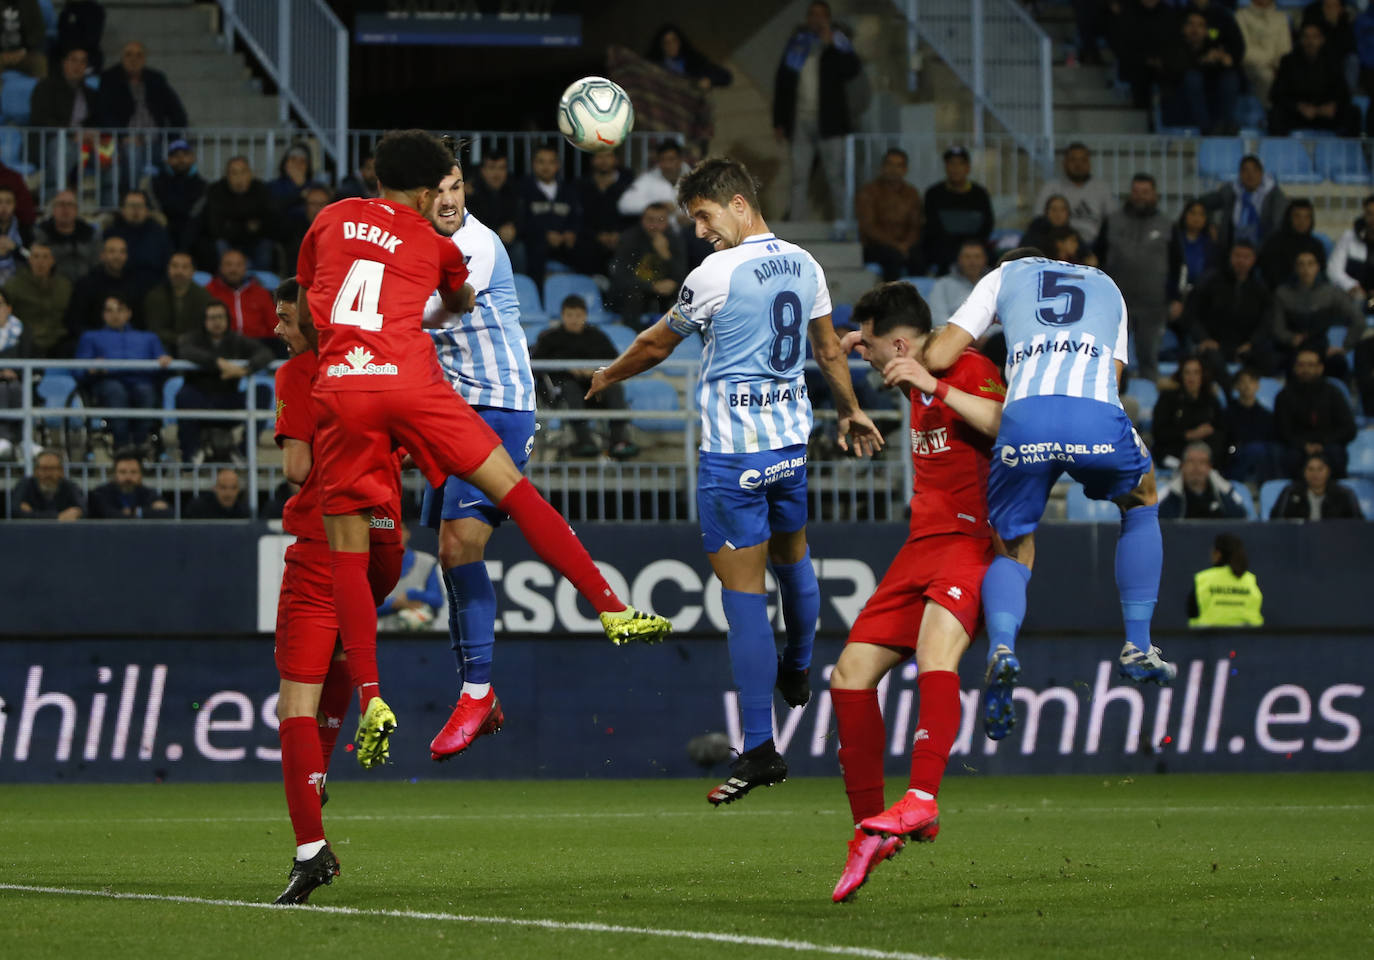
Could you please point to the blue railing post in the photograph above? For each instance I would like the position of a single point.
(284, 60)
(26, 382)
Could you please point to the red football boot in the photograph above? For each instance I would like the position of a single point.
(908, 818)
(865, 852)
(470, 719)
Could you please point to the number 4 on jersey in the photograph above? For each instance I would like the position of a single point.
(356, 304)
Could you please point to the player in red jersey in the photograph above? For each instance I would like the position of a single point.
(927, 602)
(315, 685)
(366, 269)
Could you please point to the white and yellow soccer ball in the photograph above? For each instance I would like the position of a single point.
(595, 114)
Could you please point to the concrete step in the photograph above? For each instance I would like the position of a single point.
(834, 255)
(803, 232)
(1095, 120)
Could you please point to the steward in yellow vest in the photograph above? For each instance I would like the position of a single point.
(1226, 594)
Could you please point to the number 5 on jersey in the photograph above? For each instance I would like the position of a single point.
(359, 296)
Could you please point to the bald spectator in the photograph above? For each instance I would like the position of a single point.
(176, 306)
(178, 189)
(40, 295)
(14, 237)
(1089, 199)
(134, 95)
(224, 501)
(224, 358)
(240, 215)
(148, 242)
(888, 211)
(48, 494)
(1198, 492)
(22, 38)
(252, 311)
(74, 241)
(109, 277)
(64, 100)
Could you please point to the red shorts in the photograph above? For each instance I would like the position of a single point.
(359, 429)
(947, 568)
(307, 626)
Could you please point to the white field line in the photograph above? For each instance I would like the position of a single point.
(796, 946)
(996, 810)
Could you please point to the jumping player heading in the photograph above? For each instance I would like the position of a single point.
(1066, 349)
(366, 269)
(754, 301)
(928, 599)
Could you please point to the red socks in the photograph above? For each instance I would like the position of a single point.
(338, 688)
(937, 724)
(558, 546)
(301, 775)
(357, 620)
(861, 732)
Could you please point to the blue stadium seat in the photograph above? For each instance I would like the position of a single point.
(49, 12)
(1324, 240)
(688, 349)
(1267, 391)
(1269, 495)
(531, 334)
(1005, 239)
(560, 285)
(1288, 160)
(1361, 104)
(874, 268)
(1083, 510)
(1335, 334)
(170, 386)
(621, 335)
(1364, 492)
(1361, 453)
(1342, 161)
(923, 285)
(201, 278)
(1243, 492)
(267, 278)
(1218, 158)
(14, 96)
(1250, 113)
(840, 314)
(527, 293)
(651, 394)
(1345, 392)
(1147, 395)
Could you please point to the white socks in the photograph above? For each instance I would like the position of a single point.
(476, 690)
(307, 850)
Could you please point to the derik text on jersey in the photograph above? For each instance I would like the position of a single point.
(769, 397)
(371, 233)
(1021, 353)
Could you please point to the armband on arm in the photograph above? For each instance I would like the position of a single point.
(941, 390)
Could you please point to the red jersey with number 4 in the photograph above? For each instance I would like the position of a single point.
(369, 266)
(303, 515)
(949, 457)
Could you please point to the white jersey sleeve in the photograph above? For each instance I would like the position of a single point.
(703, 293)
(979, 311)
(822, 306)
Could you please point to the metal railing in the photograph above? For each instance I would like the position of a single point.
(102, 163)
(303, 47)
(1002, 56)
(662, 491)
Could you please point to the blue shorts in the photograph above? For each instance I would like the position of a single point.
(743, 498)
(457, 498)
(1044, 437)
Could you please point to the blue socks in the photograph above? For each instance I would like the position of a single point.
(754, 661)
(1139, 559)
(471, 619)
(801, 607)
(1004, 601)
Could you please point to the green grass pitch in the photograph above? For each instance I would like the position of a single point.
(1025, 867)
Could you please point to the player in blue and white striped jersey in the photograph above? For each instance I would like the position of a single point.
(484, 355)
(754, 302)
(1066, 336)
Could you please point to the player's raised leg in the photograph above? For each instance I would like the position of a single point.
(1139, 562)
(801, 606)
(863, 741)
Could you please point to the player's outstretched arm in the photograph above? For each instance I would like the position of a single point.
(982, 413)
(296, 459)
(944, 347)
(854, 425)
(650, 348)
(457, 302)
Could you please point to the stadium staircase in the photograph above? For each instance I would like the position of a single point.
(183, 40)
(1086, 98)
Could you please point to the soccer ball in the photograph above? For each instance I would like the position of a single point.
(595, 114)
